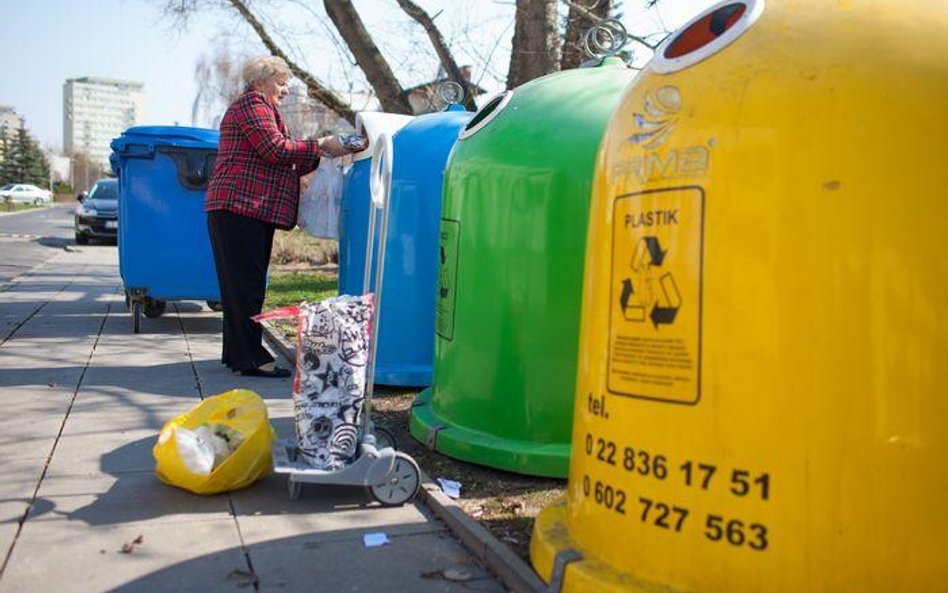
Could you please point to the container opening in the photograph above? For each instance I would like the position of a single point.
(194, 165)
(705, 30)
(706, 34)
(483, 113)
(486, 113)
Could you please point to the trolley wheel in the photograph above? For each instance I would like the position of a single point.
(214, 305)
(137, 316)
(401, 485)
(154, 308)
(295, 488)
(384, 438)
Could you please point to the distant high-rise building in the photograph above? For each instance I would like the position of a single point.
(10, 121)
(96, 110)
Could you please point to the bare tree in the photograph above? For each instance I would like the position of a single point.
(218, 81)
(376, 69)
(536, 48)
(314, 87)
(441, 48)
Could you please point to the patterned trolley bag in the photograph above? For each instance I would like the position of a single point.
(332, 353)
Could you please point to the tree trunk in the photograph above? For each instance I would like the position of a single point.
(368, 56)
(535, 49)
(578, 21)
(314, 88)
(441, 48)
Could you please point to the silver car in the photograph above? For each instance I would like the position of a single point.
(24, 193)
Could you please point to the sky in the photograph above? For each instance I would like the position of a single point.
(46, 42)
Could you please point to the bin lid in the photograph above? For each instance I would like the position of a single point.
(373, 124)
(178, 136)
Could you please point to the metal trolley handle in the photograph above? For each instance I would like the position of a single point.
(380, 190)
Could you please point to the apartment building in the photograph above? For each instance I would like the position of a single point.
(10, 121)
(96, 110)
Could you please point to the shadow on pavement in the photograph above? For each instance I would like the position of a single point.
(138, 495)
(416, 561)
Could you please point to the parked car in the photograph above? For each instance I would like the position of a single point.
(97, 214)
(24, 193)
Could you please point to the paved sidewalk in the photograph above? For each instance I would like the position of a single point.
(82, 399)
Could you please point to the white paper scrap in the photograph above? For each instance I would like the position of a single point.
(450, 487)
(374, 540)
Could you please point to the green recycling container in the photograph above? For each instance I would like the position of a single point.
(512, 241)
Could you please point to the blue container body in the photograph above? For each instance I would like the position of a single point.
(353, 225)
(163, 243)
(407, 315)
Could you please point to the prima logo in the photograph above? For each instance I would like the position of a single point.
(660, 114)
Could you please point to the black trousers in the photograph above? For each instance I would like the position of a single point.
(242, 247)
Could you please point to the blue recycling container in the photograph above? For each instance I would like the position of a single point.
(407, 316)
(354, 209)
(353, 220)
(164, 248)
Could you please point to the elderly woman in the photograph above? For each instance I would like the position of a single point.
(254, 190)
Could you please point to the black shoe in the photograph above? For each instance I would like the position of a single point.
(276, 372)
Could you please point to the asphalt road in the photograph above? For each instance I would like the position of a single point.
(29, 238)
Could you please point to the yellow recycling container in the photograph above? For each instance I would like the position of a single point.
(762, 396)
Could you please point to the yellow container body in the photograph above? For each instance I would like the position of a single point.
(761, 401)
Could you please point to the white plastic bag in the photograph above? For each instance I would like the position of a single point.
(318, 213)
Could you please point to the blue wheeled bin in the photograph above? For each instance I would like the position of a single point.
(407, 319)
(354, 212)
(164, 248)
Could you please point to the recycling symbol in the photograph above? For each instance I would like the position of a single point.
(444, 283)
(650, 292)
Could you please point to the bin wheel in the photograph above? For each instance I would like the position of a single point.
(154, 308)
(384, 438)
(81, 239)
(401, 485)
(214, 305)
(295, 488)
(137, 316)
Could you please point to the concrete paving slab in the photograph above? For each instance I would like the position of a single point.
(98, 500)
(20, 478)
(201, 557)
(103, 450)
(77, 349)
(11, 513)
(265, 510)
(126, 410)
(415, 562)
(29, 440)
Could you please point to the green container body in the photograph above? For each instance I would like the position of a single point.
(513, 237)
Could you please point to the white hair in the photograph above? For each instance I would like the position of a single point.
(263, 68)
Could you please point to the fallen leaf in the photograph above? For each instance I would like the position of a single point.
(129, 547)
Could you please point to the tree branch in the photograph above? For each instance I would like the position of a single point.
(314, 87)
(586, 13)
(441, 48)
(377, 71)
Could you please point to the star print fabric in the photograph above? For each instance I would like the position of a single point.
(329, 390)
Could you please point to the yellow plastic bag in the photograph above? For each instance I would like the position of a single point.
(240, 419)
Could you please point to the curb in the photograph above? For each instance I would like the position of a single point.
(45, 207)
(510, 568)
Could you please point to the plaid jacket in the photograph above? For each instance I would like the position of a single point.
(258, 167)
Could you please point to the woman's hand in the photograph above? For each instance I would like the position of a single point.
(335, 147)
